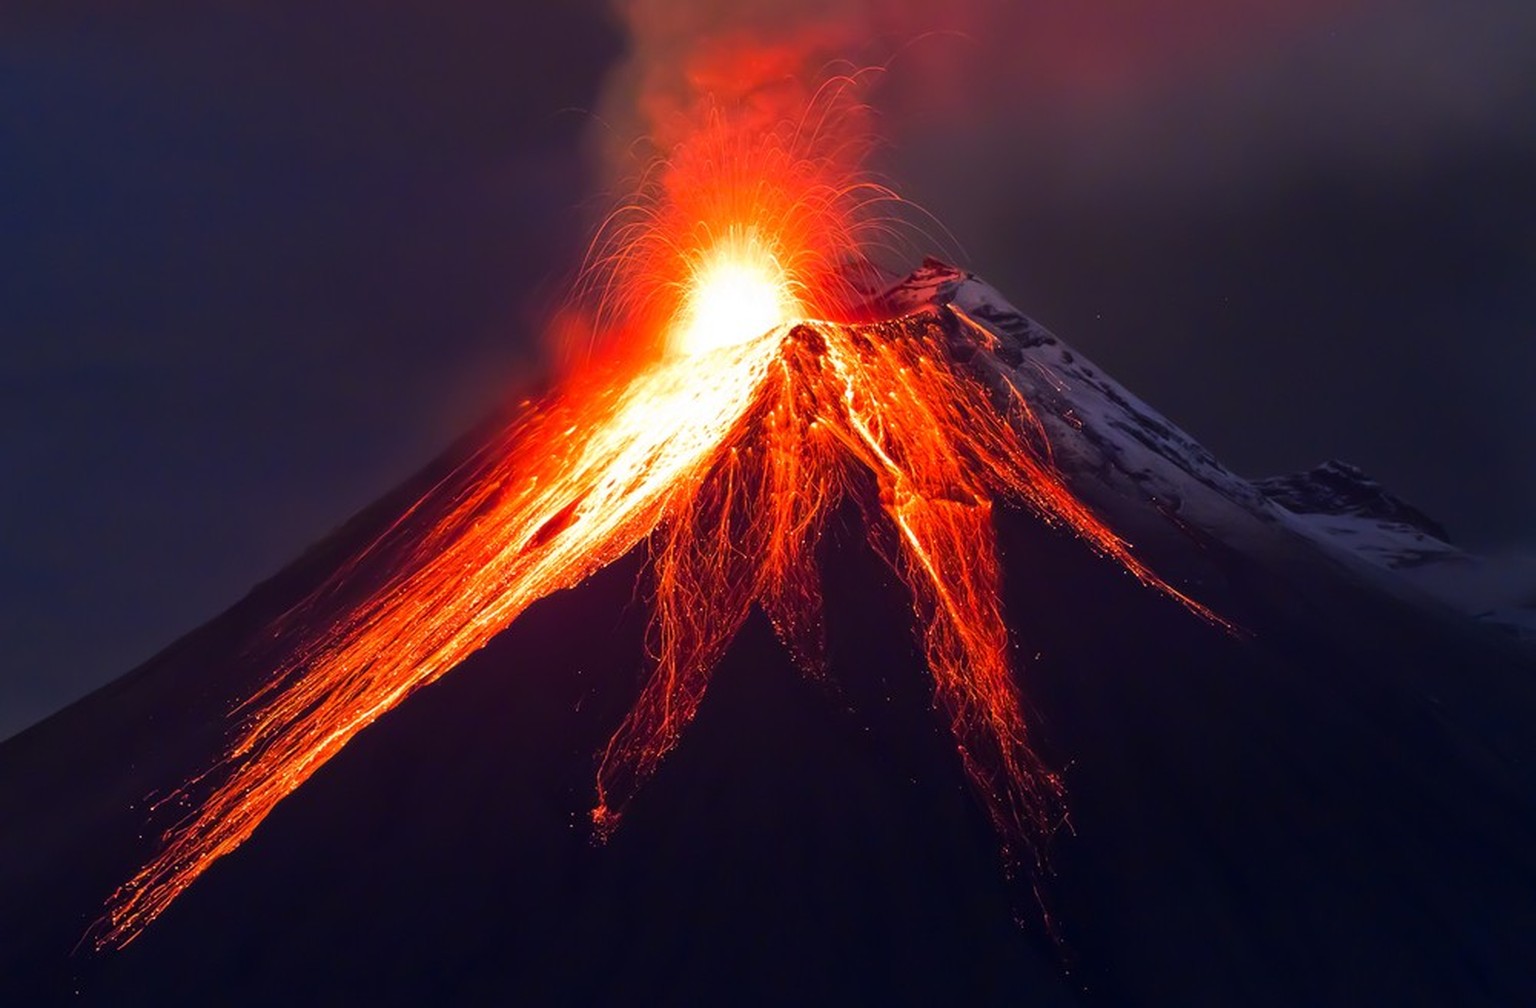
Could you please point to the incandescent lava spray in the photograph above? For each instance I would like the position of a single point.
(743, 387)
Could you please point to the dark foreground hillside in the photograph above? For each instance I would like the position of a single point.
(1338, 809)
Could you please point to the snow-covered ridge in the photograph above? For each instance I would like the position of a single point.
(1098, 429)
(1339, 505)
(1111, 445)
(1338, 488)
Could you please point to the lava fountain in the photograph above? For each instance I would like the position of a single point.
(745, 396)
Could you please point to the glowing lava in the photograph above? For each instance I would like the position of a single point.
(727, 450)
(737, 290)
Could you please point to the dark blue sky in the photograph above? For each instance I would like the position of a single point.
(260, 261)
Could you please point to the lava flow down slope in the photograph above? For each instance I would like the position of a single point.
(1320, 796)
(816, 636)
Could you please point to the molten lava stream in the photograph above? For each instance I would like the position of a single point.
(583, 483)
(728, 451)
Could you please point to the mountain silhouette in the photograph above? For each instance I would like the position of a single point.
(1333, 805)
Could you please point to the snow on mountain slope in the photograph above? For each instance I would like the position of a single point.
(1338, 488)
(1338, 504)
(1103, 428)
(1121, 454)
(1159, 488)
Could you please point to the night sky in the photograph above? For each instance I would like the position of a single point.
(260, 261)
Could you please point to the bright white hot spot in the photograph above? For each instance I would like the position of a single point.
(737, 291)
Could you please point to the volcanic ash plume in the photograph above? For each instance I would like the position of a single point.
(760, 59)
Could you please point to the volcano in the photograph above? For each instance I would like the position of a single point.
(1275, 771)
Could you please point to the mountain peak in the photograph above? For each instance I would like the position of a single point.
(1339, 488)
(809, 837)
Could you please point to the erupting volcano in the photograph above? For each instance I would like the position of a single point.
(1198, 738)
(766, 391)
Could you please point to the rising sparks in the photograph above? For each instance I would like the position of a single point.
(726, 448)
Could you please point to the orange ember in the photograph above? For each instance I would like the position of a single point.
(726, 448)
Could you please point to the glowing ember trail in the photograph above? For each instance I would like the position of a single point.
(726, 445)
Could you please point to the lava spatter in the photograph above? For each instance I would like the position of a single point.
(757, 410)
